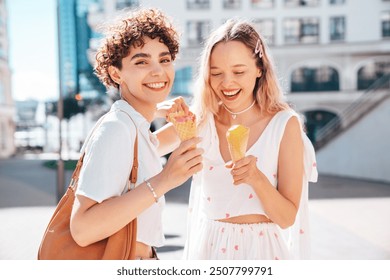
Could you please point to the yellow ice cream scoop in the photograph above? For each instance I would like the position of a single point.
(237, 137)
(185, 124)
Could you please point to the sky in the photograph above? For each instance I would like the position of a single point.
(32, 33)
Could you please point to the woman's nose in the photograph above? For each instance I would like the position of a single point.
(157, 69)
(227, 80)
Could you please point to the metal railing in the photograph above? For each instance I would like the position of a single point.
(360, 107)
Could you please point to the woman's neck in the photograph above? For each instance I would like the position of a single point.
(247, 118)
(147, 110)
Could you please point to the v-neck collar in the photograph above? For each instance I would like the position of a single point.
(251, 147)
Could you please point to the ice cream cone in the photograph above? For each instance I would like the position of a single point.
(185, 124)
(237, 138)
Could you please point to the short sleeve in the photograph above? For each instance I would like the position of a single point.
(107, 161)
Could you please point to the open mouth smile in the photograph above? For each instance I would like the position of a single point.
(158, 85)
(231, 93)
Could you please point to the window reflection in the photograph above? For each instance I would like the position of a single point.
(306, 79)
(198, 4)
(304, 30)
(197, 31)
(266, 29)
(337, 28)
(262, 3)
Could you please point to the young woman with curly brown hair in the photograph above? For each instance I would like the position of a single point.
(136, 57)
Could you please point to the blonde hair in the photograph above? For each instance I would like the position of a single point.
(267, 90)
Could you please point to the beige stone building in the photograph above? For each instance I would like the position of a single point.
(7, 109)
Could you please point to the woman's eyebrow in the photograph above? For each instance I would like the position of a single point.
(240, 65)
(164, 54)
(146, 55)
(236, 65)
(143, 55)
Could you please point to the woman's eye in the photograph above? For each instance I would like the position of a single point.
(166, 60)
(142, 62)
(215, 74)
(238, 73)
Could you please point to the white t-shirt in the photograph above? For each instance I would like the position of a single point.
(108, 161)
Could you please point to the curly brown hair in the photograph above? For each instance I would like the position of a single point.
(130, 31)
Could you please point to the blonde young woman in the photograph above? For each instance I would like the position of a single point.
(257, 207)
(136, 57)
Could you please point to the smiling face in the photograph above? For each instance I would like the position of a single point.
(233, 74)
(146, 76)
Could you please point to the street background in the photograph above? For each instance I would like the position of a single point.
(349, 218)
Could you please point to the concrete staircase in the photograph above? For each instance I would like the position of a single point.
(374, 96)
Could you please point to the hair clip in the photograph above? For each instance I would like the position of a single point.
(259, 48)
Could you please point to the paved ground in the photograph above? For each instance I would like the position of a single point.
(349, 217)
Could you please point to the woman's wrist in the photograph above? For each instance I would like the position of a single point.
(259, 181)
(158, 184)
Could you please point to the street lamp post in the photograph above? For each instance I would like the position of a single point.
(60, 115)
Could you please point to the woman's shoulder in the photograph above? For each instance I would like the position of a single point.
(115, 122)
(288, 116)
(113, 128)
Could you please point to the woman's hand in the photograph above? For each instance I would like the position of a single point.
(171, 106)
(245, 171)
(184, 162)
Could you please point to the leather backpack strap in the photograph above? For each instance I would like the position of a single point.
(76, 172)
(134, 170)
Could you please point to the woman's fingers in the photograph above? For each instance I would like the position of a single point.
(181, 104)
(196, 168)
(184, 162)
(195, 159)
(188, 144)
(176, 105)
(243, 168)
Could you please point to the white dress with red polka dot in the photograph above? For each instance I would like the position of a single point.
(214, 197)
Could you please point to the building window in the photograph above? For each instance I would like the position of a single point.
(337, 29)
(336, 2)
(262, 3)
(182, 84)
(266, 30)
(198, 4)
(301, 3)
(232, 4)
(304, 30)
(370, 73)
(121, 4)
(308, 79)
(197, 31)
(385, 24)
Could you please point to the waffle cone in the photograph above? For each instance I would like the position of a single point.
(185, 125)
(237, 138)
